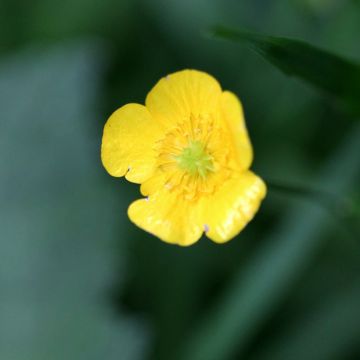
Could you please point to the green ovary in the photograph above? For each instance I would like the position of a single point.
(195, 160)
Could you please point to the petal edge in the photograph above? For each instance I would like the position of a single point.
(233, 113)
(236, 203)
(182, 93)
(166, 216)
(128, 141)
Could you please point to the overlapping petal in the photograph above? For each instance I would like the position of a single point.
(170, 218)
(232, 206)
(180, 94)
(233, 115)
(128, 143)
(222, 215)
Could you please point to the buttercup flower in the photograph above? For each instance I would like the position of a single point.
(189, 149)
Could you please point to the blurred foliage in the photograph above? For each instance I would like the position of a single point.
(78, 280)
(327, 71)
(57, 214)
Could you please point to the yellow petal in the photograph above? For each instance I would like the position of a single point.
(155, 183)
(234, 116)
(128, 143)
(168, 217)
(234, 204)
(180, 94)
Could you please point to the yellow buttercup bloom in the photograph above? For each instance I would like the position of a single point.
(189, 149)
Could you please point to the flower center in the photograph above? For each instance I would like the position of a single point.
(193, 157)
(195, 160)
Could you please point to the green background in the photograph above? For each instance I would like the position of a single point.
(79, 281)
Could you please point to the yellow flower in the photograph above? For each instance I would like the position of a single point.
(189, 149)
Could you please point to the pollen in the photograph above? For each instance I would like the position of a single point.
(192, 157)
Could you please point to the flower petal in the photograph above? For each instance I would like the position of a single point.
(234, 116)
(153, 184)
(128, 143)
(226, 212)
(168, 217)
(180, 94)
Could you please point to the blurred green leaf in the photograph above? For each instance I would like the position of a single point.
(329, 72)
(328, 200)
(343, 209)
(57, 219)
(328, 331)
(260, 285)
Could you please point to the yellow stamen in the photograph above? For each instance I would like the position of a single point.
(192, 157)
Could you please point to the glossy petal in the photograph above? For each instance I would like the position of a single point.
(234, 116)
(180, 94)
(128, 143)
(168, 217)
(153, 184)
(226, 212)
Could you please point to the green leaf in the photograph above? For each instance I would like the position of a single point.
(328, 200)
(342, 209)
(329, 72)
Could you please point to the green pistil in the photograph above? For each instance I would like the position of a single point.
(195, 160)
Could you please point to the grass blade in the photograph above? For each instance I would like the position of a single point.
(329, 72)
